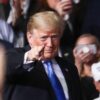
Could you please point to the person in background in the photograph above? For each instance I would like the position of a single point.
(18, 8)
(61, 7)
(4, 9)
(91, 22)
(96, 76)
(6, 34)
(2, 69)
(18, 19)
(86, 53)
(29, 70)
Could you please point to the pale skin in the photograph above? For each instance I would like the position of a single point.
(97, 85)
(2, 69)
(18, 11)
(80, 59)
(44, 44)
(17, 5)
(85, 59)
(63, 7)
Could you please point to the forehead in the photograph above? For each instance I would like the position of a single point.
(86, 40)
(52, 2)
(24, 1)
(45, 32)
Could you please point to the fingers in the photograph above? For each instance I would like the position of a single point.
(36, 53)
(81, 56)
(39, 52)
(63, 7)
(66, 4)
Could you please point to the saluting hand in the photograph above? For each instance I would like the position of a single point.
(36, 53)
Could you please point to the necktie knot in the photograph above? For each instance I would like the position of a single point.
(47, 62)
(49, 67)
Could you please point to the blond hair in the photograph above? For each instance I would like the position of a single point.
(45, 20)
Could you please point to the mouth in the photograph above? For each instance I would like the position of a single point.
(48, 51)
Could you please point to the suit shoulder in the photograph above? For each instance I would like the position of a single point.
(15, 55)
(66, 63)
(15, 50)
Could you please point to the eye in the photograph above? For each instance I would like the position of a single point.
(43, 38)
(55, 37)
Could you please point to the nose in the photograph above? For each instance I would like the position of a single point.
(49, 42)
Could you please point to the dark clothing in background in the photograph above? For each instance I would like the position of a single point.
(6, 44)
(92, 18)
(89, 89)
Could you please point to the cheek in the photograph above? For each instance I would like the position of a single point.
(38, 42)
(56, 45)
(52, 3)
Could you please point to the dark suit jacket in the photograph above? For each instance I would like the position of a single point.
(30, 82)
(90, 92)
(6, 44)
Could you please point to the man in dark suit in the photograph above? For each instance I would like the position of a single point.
(29, 76)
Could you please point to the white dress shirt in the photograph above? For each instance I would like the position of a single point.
(57, 71)
(97, 98)
(60, 76)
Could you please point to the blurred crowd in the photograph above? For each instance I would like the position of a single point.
(80, 40)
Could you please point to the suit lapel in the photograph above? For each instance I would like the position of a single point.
(42, 78)
(66, 72)
(40, 74)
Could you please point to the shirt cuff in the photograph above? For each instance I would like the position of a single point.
(26, 60)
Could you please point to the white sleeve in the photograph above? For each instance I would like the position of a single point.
(26, 61)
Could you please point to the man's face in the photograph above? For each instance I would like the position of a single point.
(48, 38)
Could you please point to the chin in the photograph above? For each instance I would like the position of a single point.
(48, 56)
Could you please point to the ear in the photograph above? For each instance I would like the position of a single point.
(29, 38)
